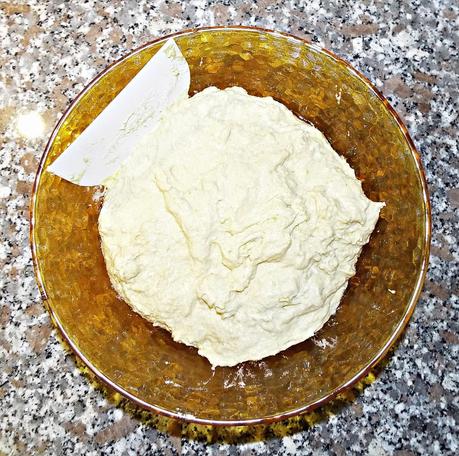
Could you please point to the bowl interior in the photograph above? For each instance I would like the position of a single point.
(143, 361)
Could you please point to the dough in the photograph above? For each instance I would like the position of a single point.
(235, 226)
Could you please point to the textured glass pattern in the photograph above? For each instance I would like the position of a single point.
(142, 361)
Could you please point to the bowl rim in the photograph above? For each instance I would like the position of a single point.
(418, 286)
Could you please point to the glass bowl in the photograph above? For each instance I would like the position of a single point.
(141, 361)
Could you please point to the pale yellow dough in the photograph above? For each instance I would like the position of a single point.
(235, 226)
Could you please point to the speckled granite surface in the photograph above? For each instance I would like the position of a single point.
(49, 51)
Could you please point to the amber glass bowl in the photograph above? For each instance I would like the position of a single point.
(143, 362)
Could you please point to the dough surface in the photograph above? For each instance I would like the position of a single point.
(235, 226)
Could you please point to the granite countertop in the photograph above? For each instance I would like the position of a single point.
(50, 50)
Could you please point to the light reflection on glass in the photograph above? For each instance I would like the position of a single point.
(30, 125)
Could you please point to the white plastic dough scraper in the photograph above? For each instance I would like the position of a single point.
(99, 150)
